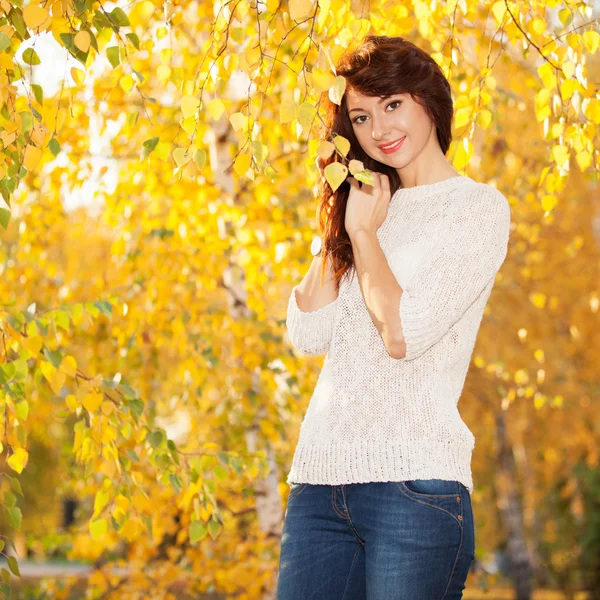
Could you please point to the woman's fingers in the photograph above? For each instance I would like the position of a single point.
(385, 185)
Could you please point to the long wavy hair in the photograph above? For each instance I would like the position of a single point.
(380, 66)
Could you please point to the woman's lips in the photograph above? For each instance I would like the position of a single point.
(389, 150)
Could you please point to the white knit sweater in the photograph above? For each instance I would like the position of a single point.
(372, 417)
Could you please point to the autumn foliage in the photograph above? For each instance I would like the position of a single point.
(143, 334)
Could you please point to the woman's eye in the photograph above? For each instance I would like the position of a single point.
(357, 122)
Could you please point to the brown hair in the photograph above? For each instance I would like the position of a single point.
(380, 66)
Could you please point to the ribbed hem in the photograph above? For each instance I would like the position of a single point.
(366, 460)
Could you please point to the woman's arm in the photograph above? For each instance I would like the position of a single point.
(460, 264)
(380, 289)
(311, 310)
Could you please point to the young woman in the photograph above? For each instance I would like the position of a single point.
(380, 500)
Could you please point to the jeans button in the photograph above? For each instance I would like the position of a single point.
(458, 498)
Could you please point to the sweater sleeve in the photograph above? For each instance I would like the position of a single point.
(468, 252)
(310, 332)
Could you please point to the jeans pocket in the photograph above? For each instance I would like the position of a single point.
(295, 490)
(431, 488)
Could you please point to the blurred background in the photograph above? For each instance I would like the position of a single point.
(157, 174)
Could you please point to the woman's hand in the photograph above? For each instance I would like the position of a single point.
(367, 206)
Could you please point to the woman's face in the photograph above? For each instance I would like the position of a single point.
(377, 121)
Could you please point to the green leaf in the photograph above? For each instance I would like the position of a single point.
(5, 575)
(213, 528)
(118, 15)
(9, 499)
(21, 369)
(112, 53)
(5, 589)
(4, 42)
(148, 146)
(14, 517)
(53, 356)
(22, 410)
(54, 146)
(197, 531)
(155, 438)
(137, 407)
(31, 57)
(13, 565)
(176, 482)
(4, 217)
(7, 372)
(365, 176)
(135, 40)
(38, 92)
(61, 318)
(104, 307)
(16, 485)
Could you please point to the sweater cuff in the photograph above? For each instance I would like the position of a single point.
(310, 332)
(418, 330)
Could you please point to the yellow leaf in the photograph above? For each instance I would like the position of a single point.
(163, 150)
(464, 151)
(189, 106)
(78, 76)
(335, 173)
(300, 9)
(69, 366)
(287, 111)
(98, 528)
(107, 408)
(33, 345)
(18, 461)
(567, 88)
(342, 144)
(548, 202)
(91, 402)
(126, 82)
(484, 118)
(568, 69)
(591, 39)
(55, 378)
(35, 16)
(326, 149)
(499, 10)
(108, 435)
(462, 116)
(131, 530)
(591, 109)
(72, 403)
(538, 299)
(83, 40)
(306, 115)
(538, 25)
(547, 75)
(356, 166)
(238, 120)
(560, 154)
(337, 90)
(181, 156)
(32, 157)
(242, 164)
(215, 108)
(322, 80)
(584, 160)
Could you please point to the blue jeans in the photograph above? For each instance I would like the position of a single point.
(393, 540)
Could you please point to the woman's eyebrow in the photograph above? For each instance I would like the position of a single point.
(378, 102)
